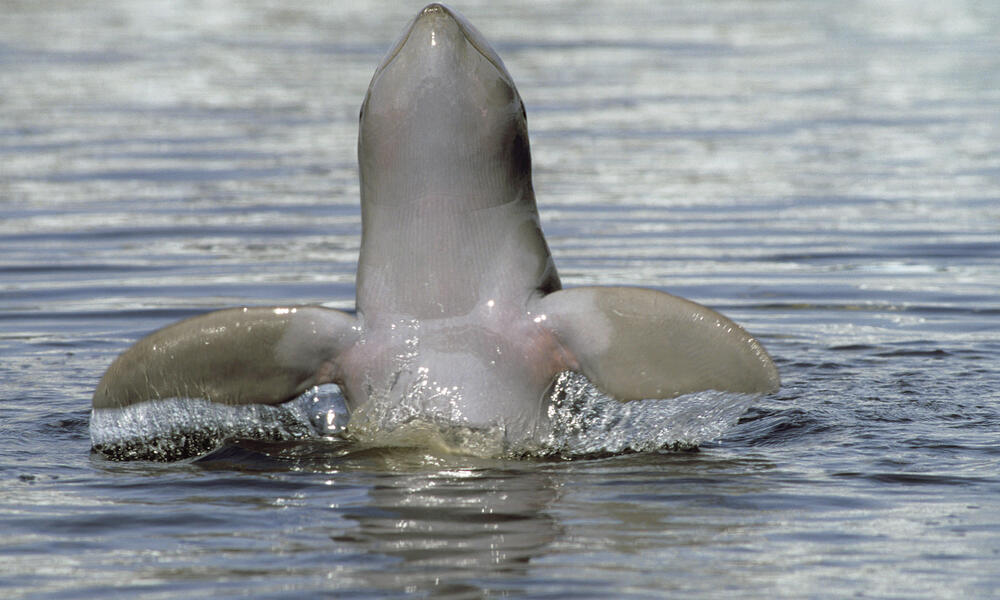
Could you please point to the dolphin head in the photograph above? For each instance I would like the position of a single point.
(442, 124)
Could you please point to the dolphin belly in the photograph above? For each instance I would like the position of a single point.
(479, 371)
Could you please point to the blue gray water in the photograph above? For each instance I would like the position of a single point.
(827, 174)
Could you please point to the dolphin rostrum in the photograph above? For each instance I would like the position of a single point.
(459, 307)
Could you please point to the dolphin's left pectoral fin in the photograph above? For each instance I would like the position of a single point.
(636, 343)
(264, 355)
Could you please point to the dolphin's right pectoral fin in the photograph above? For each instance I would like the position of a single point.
(636, 343)
(261, 355)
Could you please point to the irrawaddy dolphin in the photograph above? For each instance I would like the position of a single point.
(459, 307)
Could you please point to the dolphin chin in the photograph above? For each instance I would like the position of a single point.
(460, 315)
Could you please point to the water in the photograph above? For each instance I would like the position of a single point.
(827, 175)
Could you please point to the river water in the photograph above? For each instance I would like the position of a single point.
(826, 174)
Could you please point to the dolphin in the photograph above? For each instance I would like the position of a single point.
(459, 306)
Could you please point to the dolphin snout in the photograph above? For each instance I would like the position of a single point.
(437, 26)
(435, 8)
(438, 31)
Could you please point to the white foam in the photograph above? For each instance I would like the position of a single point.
(584, 421)
(181, 427)
(581, 421)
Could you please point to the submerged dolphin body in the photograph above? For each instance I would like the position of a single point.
(459, 307)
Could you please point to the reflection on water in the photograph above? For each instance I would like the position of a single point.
(423, 522)
(458, 525)
(450, 523)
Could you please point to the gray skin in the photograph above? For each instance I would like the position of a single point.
(459, 307)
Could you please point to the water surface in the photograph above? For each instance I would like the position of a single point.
(826, 175)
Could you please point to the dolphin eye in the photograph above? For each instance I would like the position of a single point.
(501, 92)
(364, 104)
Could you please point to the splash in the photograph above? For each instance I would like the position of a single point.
(581, 422)
(413, 422)
(179, 428)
